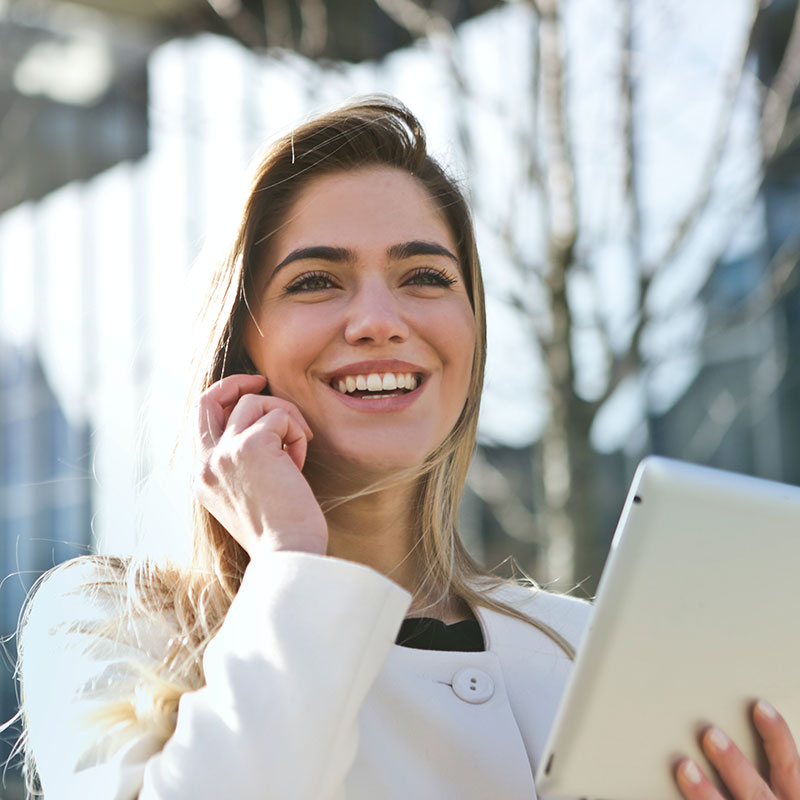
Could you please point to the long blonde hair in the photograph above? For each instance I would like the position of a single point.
(376, 131)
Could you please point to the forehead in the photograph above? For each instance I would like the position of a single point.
(367, 209)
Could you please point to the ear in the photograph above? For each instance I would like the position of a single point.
(246, 365)
(243, 365)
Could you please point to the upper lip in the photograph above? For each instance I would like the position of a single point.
(380, 366)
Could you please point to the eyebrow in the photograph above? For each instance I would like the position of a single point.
(398, 252)
(340, 255)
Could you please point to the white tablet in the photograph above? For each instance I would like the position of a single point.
(697, 615)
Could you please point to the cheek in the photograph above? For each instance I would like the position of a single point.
(461, 339)
(288, 343)
(457, 338)
(268, 348)
(469, 347)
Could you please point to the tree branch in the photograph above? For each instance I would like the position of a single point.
(624, 364)
(791, 133)
(560, 171)
(719, 139)
(628, 362)
(725, 409)
(561, 206)
(780, 94)
(418, 21)
(242, 24)
(532, 148)
(493, 487)
(314, 31)
(627, 114)
(781, 276)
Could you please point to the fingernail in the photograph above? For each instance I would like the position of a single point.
(766, 709)
(691, 772)
(718, 739)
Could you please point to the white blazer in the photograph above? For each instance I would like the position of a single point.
(306, 698)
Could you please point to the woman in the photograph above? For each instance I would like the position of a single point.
(337, 397)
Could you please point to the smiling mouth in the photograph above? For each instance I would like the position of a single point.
(374, 384)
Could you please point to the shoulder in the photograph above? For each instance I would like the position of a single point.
(570, 615)
(83, 589)
(79, 575)
(80, 609)
(85, 653)
(564, 614)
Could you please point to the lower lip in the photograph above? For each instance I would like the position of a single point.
(379, 405)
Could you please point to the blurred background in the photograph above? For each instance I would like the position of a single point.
(634, 169)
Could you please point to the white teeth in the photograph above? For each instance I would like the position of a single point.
(374, 382)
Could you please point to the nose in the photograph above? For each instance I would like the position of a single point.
(374, 316)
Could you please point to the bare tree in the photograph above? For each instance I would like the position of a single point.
(565, 467)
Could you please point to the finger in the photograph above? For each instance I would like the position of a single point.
(229, 389)
(781, 750)
(228, 407)
(693, 783)
(211, 414)
(737, 773)
(287, 435)
(251, 407)
(296, 414)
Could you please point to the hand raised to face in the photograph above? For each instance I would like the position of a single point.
(251, 450)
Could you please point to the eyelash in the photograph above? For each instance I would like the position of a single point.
(440, 278)
(301, 283)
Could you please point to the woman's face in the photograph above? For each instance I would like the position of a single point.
(361, 319)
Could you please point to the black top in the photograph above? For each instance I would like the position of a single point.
(424, 633)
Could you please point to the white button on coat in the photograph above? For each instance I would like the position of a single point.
(473, 685)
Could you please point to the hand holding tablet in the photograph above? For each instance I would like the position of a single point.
(741, 778)
(696, 619)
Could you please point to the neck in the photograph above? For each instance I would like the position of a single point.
(378, 530)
